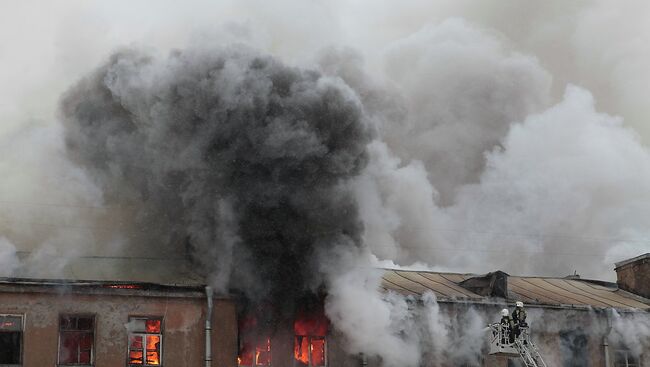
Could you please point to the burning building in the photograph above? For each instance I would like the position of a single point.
(576, 322)
(247, 168)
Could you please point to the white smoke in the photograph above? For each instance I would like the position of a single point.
(9, 262)
(463, 88)
(561, 185)
(545, 166)
(630, 331)
(396, 330)
(374, 323)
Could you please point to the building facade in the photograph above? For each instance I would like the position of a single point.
(61, 323)
(575, 322)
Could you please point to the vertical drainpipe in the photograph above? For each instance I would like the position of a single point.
(208, 328)
(606, 339)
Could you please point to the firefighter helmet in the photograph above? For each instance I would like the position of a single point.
(519, 304)
(505, 312)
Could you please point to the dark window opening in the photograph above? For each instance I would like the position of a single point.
(76, 340)
(11, 335)
(573, 345)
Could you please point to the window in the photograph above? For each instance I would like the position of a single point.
(258, 356)
(145, 341)
(254, 343)
(623, 358)
(76, 340)
(11, 339)
(310, 342)
(573, 345)
(310, 350)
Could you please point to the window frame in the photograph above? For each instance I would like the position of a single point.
(297, 363)
(628, 355)
(22, 338)
(144, 335)
(92, 349)
(259, 347)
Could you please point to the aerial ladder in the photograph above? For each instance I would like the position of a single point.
(520, 346)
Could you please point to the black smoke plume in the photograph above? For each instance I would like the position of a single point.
(231, 153)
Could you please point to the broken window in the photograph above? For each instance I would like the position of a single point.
(310, 341)
(259, 355)
(254, 350)
(145, 341)
(11, 338)
(624, 358)
(310, 350)
(76, 339)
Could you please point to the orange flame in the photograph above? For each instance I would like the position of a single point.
(317, 349)
(153, 349)
(315, 324)
(310, 349)
(261, 355)
(135, 357)
(123, 286)
(301, 349)
(309, 343)
(153, 325)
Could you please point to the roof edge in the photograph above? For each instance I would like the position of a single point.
(632, 260)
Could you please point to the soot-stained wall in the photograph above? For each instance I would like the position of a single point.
(184, 335)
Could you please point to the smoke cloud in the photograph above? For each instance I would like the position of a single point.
(229, 152)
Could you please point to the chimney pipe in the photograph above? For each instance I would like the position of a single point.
(208, 328)
(606, 338)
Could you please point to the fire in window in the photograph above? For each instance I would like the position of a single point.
(76, 339)
(145, 341)
(11, 337)
(253, 349)
(310, 341)
(255, 354)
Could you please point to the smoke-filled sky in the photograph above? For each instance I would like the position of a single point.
(505, 134)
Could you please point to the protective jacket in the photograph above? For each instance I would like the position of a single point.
(519, 315)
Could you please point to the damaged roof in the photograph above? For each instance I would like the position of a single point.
(157, 270)
(499, 286)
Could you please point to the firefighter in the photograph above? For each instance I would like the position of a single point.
(519, 314)
(507, 327)
(519, 318)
